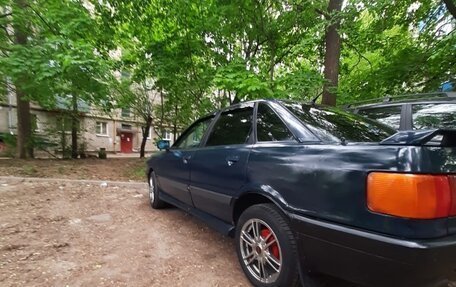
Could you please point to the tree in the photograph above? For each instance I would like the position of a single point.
(392, 49)
(332, 53)
(21, 32)
(213, 53)
(140, 97)
(55, 53)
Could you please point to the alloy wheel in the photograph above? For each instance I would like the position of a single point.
(151, 190)
(260, 250)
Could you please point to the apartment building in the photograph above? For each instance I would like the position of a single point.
(118, 132)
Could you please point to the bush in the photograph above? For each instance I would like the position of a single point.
(102, 153)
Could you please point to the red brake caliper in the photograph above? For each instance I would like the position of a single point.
(274, 248)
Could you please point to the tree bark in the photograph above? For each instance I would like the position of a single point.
(332, 55)
(175, 124)
(63, 137)
(146, 130)
(451, 6)
(74, 127)
(24, 128)
(162, 112)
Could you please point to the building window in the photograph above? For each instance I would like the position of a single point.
(126, 112)
(102, 128)
(166, 135)
(126, 127)
(64, 123)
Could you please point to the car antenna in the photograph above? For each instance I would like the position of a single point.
(316, 98)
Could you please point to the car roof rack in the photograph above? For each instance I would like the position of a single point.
(401, 98)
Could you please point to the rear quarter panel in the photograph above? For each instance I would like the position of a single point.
(328, 182)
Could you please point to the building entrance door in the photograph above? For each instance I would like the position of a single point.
(126, 142)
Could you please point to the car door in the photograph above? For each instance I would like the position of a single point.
(218, 170)
(173, 171)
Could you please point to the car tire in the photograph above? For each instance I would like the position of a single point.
(266, 247)
(154, 195)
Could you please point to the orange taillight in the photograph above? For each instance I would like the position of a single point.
(412, 195)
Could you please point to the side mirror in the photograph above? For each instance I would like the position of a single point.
(163, 144)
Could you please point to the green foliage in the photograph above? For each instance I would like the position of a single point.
(61, 56)
(208, 54)
(247, 84)
(396, 47)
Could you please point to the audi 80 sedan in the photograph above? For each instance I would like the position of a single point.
(308, 190)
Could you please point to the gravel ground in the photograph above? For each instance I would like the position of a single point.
(82, 234)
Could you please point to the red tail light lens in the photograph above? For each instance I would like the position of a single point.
(414, 196)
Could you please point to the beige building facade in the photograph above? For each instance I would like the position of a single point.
(117, 132)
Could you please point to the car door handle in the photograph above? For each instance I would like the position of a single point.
(185, 159)
(230, 160)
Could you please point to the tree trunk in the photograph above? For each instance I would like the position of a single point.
(63, 138)
(229, 98)
(272, 65)
(175, 124)
(162, 112)
(146, 130)
(332, 55)
(74, 127)
(24, 129)
(451, 6)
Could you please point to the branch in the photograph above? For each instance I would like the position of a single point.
(360, 56)
(44, 21)
(6, 15)
(301, 7)
(7, 34)
(323, 13)
(282, 56)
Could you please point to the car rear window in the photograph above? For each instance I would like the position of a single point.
(390, 116)
(434, 115)
(270, 127)
(232, 127)
(332, 124)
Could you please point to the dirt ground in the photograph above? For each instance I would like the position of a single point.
(123, 169)
(74, 234)
(61, 232)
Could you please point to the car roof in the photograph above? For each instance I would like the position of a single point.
(309, 103)
(237, 105)
(401, 99)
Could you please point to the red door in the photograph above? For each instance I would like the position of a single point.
(126, 142)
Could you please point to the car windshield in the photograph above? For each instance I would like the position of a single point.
(332, 124)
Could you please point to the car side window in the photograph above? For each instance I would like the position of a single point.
(435, 115)
(270, 127)
(232, 127)
(194, 136)
(390, 116)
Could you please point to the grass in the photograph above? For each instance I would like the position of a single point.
(110, 169)
(29, 170)
(138, 171)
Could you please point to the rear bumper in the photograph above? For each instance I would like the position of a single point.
(371, 259)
